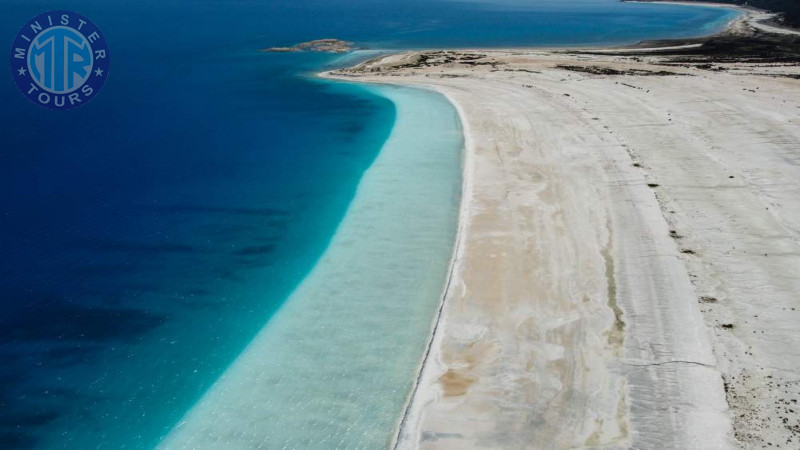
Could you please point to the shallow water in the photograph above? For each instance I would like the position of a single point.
(334, 365)
(149, 236)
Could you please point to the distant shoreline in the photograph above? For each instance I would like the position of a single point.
(757, 18)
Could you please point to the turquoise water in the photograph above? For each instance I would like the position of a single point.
(333, 367)
(150, 236)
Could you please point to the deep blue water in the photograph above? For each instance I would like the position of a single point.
(147, 236)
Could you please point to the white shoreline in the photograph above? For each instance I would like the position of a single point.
(709, 426)
(458, 249)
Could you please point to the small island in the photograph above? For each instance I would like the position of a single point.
(319, 45)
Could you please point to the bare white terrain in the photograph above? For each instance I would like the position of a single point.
(628, 269)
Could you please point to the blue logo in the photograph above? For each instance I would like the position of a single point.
(60, 60)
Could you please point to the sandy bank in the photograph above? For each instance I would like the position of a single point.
(630, 247)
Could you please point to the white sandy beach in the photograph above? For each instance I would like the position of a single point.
(628, 268)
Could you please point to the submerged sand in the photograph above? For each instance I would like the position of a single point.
(333, 367)
(628, 268)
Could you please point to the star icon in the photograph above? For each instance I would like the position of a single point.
(99, 72)
(21, 71)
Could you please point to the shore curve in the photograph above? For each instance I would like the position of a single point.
(585, 308)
